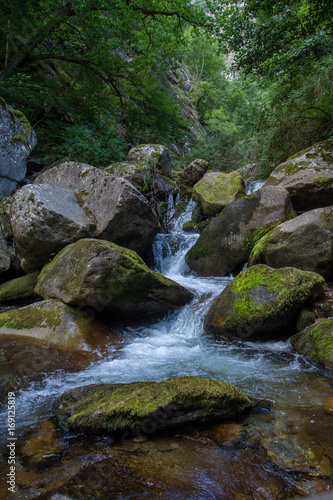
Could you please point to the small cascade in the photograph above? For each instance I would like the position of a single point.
(252, 186)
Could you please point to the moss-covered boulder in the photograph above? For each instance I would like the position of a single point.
(193, 172)
(45, 219)
(308, 176)
(225, 244)
(17, 139)
(305, 242)
(156, 156)
(19, 288)
(144, 407)
(51, 323)
(262, 303)
(105, 276)
(119, 211)
(316, 342)
(216, 190)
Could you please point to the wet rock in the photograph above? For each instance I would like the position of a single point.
(226, 434)
(104, 276)
(328, 406)
(19, 288)
(316, 342)
(216, 190)
(45, 219)
(51, 323)
(261, 301)
(305, 242)
(156, 156)
(193, 172)
(225, 244)
(17, 139)
(308, 176)
(119, 211)
(141, 408)
(41, 444)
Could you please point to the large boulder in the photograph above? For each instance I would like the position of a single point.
(9, 262)
(17, 139)
(45, 219)
(155, 156)
(193, 172)
(225, 244)
(120, 212)
(316, 342)
(305, 242)
(216, 190)
(308, 176)
(143, 407)
(50, 323)
(262, 303)
(22, 288)
(105, 276)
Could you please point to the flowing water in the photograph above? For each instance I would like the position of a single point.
(176, 345)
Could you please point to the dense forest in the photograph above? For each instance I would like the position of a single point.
(232, 82)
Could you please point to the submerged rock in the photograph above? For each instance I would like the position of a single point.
(225, 244)
(216, 190)
(118, 210)
(45, 219)
(260, 302)
(19, 288)
(308, 176)
(316, 342)
(102, 275)
(305, 242)
(51, 323)
(149, 406)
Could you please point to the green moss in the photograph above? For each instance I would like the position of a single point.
(259, 248)
(19, 288)
(2, 103)
(297, 155)
(25, 125)
(189, 226)
(199, 249)
(124, 405)
(317, 343)
(34, 316)
(323, 181)
(326, 217)
(293, 168)
(19, 138)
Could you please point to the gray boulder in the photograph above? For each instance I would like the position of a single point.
(102, 275)
(305, 242)
(193, 172)
(119, 211)
(225, 244)
(44, 220)
(262, 303)
(17, 139)
(308, 176)
(155, 156)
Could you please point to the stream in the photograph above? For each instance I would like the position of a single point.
(176, 345)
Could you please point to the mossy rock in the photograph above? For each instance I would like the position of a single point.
(216, 190)
(105, 276)
(156, 156)
(51, 323)
(316, 342)
(308, 176)
(148, 406)
(19, 288)
(262, 303)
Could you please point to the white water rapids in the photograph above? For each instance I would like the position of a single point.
(177, 345)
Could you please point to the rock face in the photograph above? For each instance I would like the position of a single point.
(19, 288)
(148, 406)
(45, 219)
(193, 172)
(17, 139)
(316, 342)
(261, 301)
(305, 242)
(216, 190)
(102, 275)
(308, 176)
(119, 211)
(225, 244)
(51, 323)
(156, 156)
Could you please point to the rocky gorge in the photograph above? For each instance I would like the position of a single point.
(141, 367)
